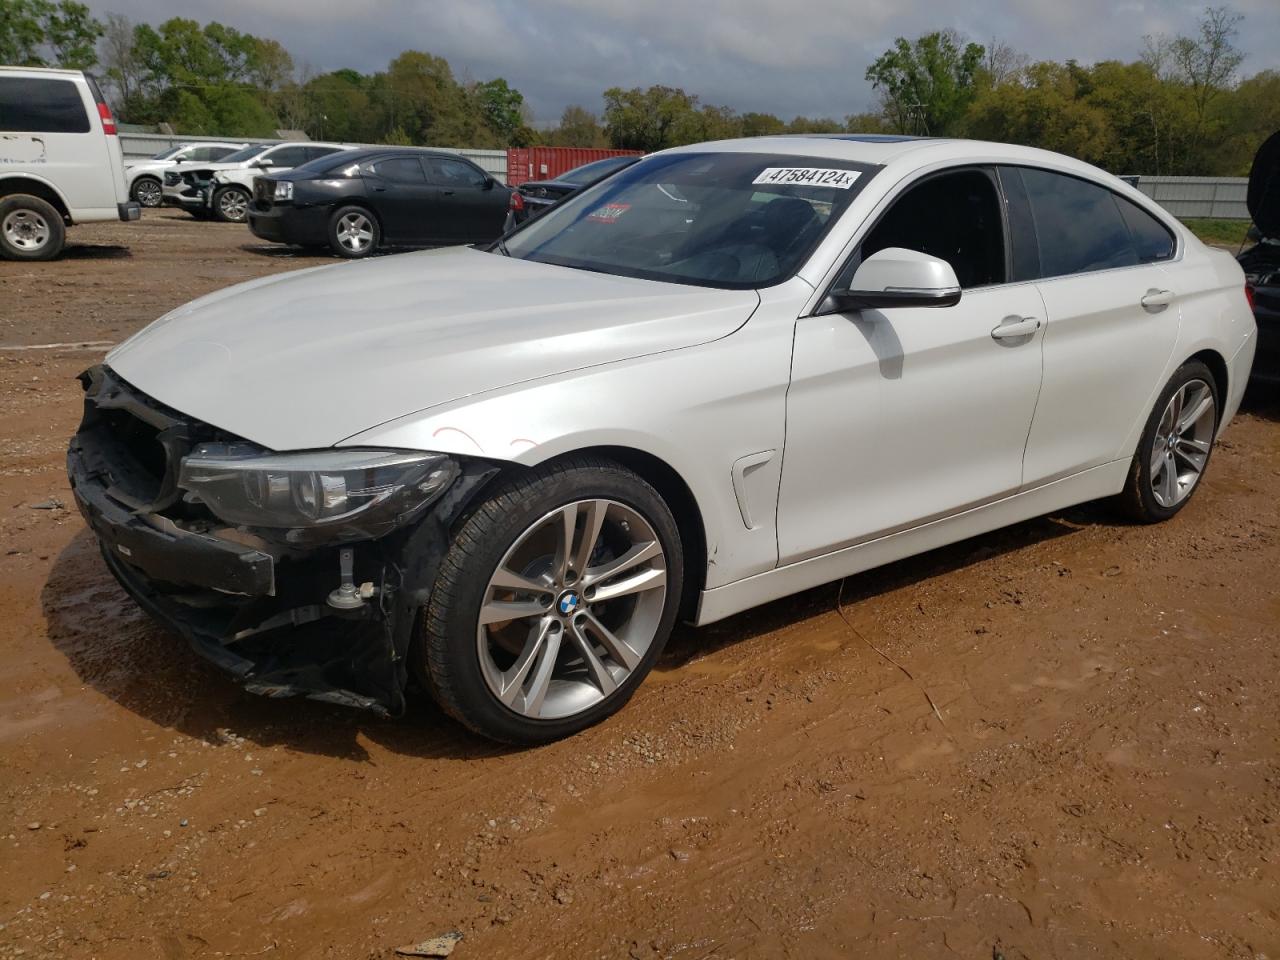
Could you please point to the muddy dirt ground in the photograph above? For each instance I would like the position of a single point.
(1101, 778)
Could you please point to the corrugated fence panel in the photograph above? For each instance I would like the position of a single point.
(546, 163)
(1215, 197)
(141, 145)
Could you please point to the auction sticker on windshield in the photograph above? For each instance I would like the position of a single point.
(808, 177)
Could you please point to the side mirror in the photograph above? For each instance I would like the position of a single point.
(489, 183)
(262, 164)
(895, 277)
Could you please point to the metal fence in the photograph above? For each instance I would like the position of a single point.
(141, 145)
(1212, 197)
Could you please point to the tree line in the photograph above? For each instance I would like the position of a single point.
(1182, 106)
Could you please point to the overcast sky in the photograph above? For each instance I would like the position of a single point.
(786, 57)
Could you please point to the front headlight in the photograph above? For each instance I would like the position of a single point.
(336, 494)
(284, 190)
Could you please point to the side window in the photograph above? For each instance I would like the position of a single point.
(314, 153)
(36, 105)
(456, 173)
(204, 154)
(954, 217)
(400, 170)
(287, 157)
(1078, 225)
(217, 153)
(1151, 237)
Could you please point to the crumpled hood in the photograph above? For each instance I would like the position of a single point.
(306, 359)
(1263, 198)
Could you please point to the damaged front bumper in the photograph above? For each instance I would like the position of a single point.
(256, 607)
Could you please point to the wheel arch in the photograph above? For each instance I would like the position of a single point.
(1217, 365)
(35, 187)
(678, 496)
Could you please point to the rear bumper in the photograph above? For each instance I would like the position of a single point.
(131, 210)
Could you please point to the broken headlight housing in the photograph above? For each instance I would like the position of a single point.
(319, 495)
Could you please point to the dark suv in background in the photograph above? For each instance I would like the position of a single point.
(1261, 262)
(357, 201)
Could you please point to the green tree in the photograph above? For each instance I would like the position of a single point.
(579, 127)
(927, 85)
(41, 33)
(1045, 109)
(647, 120)
(502, 108)
(761, 125)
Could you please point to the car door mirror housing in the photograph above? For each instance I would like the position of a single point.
(896, 277)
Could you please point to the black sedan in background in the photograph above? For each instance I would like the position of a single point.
(360, 200)
(531, 198)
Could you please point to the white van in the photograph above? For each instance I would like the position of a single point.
(60, 160)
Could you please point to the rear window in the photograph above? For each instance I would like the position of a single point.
(41, 105)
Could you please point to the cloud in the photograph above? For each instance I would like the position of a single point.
(783, 56)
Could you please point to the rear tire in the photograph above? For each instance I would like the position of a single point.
(231, 204)
(354, 232)
(147, 191)
(526, 640)
(30, 228)
(1175, 447)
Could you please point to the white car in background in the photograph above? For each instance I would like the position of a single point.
(728, 373)
(60, 160)
(145, 177)
(223, 190)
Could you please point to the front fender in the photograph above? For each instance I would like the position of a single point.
(700, 410)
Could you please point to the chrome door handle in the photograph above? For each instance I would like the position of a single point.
(1013, 327)
(1157, 299)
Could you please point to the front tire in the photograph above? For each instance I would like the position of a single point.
(30, 228)
(354, 232)
(1176, 444)
(147, 191)
(231, 204)
(554, 601)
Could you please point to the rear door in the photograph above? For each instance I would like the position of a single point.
(408, 206)
(49, 127)
(472, 207)
(1112, 318)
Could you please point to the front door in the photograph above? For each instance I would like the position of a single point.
(408, 206)
(900, 416)
(473, 209)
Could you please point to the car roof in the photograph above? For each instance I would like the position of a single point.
(908, 152)
(54, 71)
(365, 153)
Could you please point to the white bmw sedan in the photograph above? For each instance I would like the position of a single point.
(727, 373)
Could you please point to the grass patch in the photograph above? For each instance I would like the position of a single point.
(1225, 232)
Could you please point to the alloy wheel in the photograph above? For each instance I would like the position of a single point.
(355, 232)
(1180, 448)
(572, 609)
(26, 230)
(148, 193)
(234, 205)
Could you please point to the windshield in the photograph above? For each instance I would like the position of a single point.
(167, 153)
(594, 170)
(245, 153)
(730, 220)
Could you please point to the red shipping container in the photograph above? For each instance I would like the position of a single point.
(547, 163)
